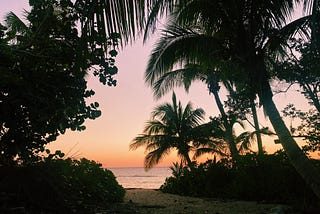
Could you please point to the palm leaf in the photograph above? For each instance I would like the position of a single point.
(155, 156)
(15, 24)
(172, 127)
(178, 46)
(104, 17)
(177, 78)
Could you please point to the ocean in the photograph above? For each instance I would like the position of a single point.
(137, 177)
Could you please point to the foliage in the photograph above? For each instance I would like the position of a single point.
(174, 127)
(243, 141)
(56, 185)
(199, 181)
(255, 177)
(302, 67)
(43, 65)
(246, 36)
(308, 128)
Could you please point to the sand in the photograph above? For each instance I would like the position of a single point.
(154, 201)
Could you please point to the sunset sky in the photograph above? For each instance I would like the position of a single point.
(125, 108)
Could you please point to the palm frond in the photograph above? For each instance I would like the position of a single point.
(155, 126)
(158, 9)
(154, 157)
(309, 6)
(245, 140)
(15, 24)
(193, 117)
(139, 141)
(160, 111)
(177, 169)
(151, 141)
(172, 127)
(178, 46)
(104, 17)
(278, 38)
(175, 78)
(207, 150)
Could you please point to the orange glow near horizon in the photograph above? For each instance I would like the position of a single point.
(125, 109)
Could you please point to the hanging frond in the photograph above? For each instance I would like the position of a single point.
(104, 17)
(154, 157)
(15, 24)
(177, 78)
(181, 46)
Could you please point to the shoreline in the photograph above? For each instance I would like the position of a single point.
(154, 201)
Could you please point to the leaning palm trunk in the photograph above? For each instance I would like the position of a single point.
(298, 159)
(256, 126)
(189, 162)
(214, 88)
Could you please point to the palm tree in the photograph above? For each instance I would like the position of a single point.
(166, 54)
(172, 127)
(245, 104)
(248, 31)
(185, 76)
(245, 35)
(218, 135)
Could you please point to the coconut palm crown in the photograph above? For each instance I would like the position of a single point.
(173, 127)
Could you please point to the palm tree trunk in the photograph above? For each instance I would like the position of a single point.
(214, 88)
(298, 159)
(256, 126)
(186, 158)
(189, 162)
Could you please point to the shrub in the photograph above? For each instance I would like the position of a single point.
(261, 178)
(60, 186)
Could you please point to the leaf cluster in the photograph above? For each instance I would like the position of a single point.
(43, 65)
(56, 185)
(308, 128)
(268, 178)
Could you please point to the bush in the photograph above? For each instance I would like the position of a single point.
(268, 178)
(60, 186)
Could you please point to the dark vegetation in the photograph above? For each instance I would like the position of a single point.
(55, 185)
(266, 178)
(238, 44)
(43, 67)
(43, 64)
(243, 46)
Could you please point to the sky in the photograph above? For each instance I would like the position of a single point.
(126, 107)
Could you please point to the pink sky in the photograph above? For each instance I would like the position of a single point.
(125, 108)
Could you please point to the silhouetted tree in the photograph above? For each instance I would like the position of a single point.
(247, 31)
(308, 128)
(43, 65)
(246, 34)
(173, 127)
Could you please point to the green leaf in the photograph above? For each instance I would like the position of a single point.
(113, 53)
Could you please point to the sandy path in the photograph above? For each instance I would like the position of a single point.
(154, 201)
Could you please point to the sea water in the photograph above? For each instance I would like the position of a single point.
(137, 177)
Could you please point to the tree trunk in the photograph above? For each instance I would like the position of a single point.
(214, 88)
(298, 159)
(256, 126)
(189, 162)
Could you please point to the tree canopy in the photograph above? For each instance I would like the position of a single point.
(175, 127)
(43, 65)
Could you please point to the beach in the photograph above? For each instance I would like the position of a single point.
(154, 201)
